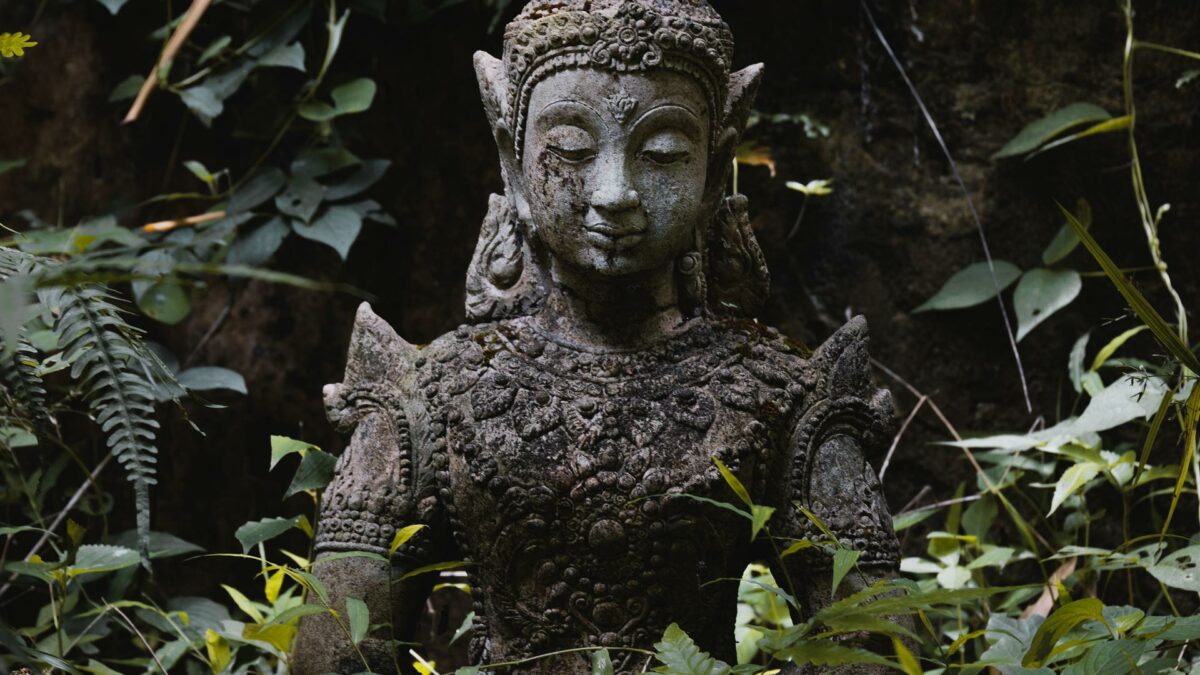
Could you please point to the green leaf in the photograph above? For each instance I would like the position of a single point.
(91, 558)
(1116, 343)
(315, 472)
(301, 199)
(367, 175)
(203, 102)
(1057, 625)
(903, 521)
(1075, 362)
(759, 515)
(601, 663)
(1179, 570)
(295, 613)
(285, 56)
(464, 627)
(1065, 239)
(1074, 478)
(257, 247)
(162, 544)
(402, 537)
(165, 301)
(843, 561)
(262, 186)
(199, 170)
(1134, 297)
(257, 531)
(971, 286)
(128, 89)
(113, 6)
(207, 378)
(828, 653)
(216, 47)
(680, 655)
(7, 165)
(352, 97)
(282, 446)
(1037, 133)
(436, 567)
(1042, 292)
(360, 619)
(337, 228)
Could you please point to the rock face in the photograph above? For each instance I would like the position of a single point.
(570, 441)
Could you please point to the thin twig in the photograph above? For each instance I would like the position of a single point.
(896, 440)
(939, 505)
(168, 225)
(190, 19)
(137, 632)
(212, 329)
(966, 193)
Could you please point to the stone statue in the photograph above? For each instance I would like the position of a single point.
(610, 355)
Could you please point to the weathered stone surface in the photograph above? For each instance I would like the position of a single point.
(612, 356)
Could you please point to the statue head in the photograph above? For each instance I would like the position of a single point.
(616, 123)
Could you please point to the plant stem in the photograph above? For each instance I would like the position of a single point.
(1149, 220)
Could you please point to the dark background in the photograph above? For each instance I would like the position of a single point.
(895, 229)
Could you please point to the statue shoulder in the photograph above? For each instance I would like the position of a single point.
(841, 366)
(380, 366)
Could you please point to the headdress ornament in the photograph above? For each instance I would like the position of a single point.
(619, 35)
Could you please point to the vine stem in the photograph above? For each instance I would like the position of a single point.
(1150, 220)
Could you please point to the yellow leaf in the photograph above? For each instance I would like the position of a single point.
(402, 536)
(243, 603)
(734, 483)
(907, 661)
(426, 668)
(219, 654)
(75, 532)
(753, 154)
(274, 583)
(278, 635)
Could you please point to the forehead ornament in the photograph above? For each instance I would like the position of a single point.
(621, 105)
(550, 36)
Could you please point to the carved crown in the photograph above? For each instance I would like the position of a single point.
(620, 35)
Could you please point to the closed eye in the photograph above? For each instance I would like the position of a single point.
(665, 157)
(572, 154)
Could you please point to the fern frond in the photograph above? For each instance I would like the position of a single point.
(107, 362)
(18, 374)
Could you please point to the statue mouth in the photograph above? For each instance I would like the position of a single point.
(611, 237)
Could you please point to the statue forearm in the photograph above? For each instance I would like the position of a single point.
(324, 644)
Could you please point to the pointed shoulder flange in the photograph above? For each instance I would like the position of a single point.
(842, 362)
(377, 363)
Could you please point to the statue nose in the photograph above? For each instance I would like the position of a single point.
(615, 192)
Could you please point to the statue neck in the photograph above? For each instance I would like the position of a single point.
(611, 314)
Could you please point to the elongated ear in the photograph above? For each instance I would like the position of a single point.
(493, 89)
(743, 87)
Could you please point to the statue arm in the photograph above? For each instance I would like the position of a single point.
(830, 477)
(379, 486)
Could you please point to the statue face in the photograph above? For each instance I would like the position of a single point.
(614, 168)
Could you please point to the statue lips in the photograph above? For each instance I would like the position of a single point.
(614, 238)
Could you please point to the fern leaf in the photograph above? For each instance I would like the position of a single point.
(107, 363)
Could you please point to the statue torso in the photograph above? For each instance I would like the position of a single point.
(561, 472)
